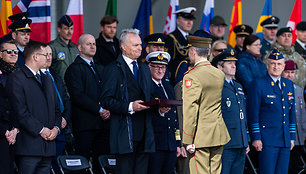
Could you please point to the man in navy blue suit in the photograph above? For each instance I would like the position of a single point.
(165, 121)
(234, 114)
(271, 116)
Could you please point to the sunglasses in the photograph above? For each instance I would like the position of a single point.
(9, 51)
(220, 50)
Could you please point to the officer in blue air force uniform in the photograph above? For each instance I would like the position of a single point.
(271, 117)
(165, 122)
(233, 110)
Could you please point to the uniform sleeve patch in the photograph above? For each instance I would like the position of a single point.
(188, 83)
(61, 56)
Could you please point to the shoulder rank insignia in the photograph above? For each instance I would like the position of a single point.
(271, 96)
(289, 93)
(228, 102)
(284, 84)
(188, 83)
(272, 83)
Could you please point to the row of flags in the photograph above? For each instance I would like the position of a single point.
(40, 14)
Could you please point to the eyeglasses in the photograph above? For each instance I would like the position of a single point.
(9, 51)
(158, 67)
(219, 50)
(46, 54)
(257, 45)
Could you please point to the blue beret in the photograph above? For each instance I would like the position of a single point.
(276, 55)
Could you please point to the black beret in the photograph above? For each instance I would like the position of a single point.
(226, 55)
(283, 30)
(66, 20)
(243, 30)
(156, 39)
(301, 26)
(271, 22)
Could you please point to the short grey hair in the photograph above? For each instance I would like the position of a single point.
(125, 32)
(202, 52)
(221, 63)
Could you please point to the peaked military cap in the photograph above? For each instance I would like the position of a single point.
(187, 13)
(156, 39)
(243, 30)
(66, 20)
(271, 22)
(275, 55)
(218, 20)
(284, 30)
(19, 16)
(290, 65)
(198, 41)
(226, 55)
(158, 57)
(21, 25)
(301, 26)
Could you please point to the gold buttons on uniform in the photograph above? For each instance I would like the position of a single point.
(284, 107)
(168, 118)
(169, 127)
(284, 122)
(174, 112)
(263, 126)
(175, 120)
(284, 114)
(272, 103)
(238, 102)
(283, 99)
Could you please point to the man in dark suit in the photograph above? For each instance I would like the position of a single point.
(107, 44)
(64, 104)
(271, 116)
(300, 43)
(165, 121)
(36, 111)
(127, 83)
(177, 40)
(83, 79)
(233, 108)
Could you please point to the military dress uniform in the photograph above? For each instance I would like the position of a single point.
(269, 23)
(299, 46)
(271, 119)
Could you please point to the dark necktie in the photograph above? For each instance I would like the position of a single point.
(92, 67)
(277, 83)
(38, 77)
(135, 69)
(231, 83)
(57, 92)
(162, 88)
(112, 46)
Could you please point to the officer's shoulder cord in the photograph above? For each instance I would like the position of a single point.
(177, 47)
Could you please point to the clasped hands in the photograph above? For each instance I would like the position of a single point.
(49, 134)
(11, 136)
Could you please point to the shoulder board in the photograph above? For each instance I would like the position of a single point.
(195, 67)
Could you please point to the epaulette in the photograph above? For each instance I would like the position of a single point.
(195, 67)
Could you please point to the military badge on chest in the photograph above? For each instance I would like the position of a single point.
(228, 102)
(290, 96)
(61, 56)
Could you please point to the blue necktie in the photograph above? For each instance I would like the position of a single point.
(57, 92)
(38, 77)
(135, 69)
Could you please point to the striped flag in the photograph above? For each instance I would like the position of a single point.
(39, 13)
(266, 13)
(75, 11)
(144, 20)
(295, 18)
(208, 14)
(171, 17)
(6, 11)
(236, 19)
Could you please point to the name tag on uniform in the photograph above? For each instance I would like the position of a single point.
(271, 96)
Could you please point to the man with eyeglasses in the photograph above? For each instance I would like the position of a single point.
(269, 30)
(165, 120)
(36, 114)
(286, 48)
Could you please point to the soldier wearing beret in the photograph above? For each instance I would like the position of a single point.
(165, 121)
(300, 42)
(233, 107)
(241, 32)
(177, 40)
(300, 117)
(205, 132)
(269, 30)
(271, 116)
(21, 35)
(64, 51)
(286, 48)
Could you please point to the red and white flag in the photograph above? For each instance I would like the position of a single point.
(75, 11)
(171, 17)
(295, 18)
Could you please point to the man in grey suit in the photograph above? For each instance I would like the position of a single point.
(300, 117)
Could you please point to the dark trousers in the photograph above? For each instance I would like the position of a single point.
(91, 144)
(162, 162)
(60, 147)
(33, 165)
(135, 162)
(6, 157)
(274, 160)
(233, 161)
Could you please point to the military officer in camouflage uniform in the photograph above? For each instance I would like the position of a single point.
(177, 42)
(269, 30)
(233, 109)
(284, 45)
(205, 132)
(64, 51)
(271, 116)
